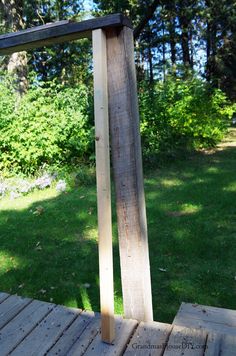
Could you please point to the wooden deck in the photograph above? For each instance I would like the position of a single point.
(31, 327)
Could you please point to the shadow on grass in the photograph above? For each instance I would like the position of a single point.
(191, 208)
(53, 256)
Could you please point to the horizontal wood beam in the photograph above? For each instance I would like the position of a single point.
(57, 32)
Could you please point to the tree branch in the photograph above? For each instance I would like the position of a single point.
(149, 14)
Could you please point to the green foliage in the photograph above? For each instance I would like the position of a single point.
(178, 114)
(47, 127)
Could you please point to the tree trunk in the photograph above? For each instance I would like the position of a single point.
(13, 21)
(184, 24)
(171, 23)
(151, 77)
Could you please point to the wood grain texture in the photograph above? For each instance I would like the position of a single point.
(124, 330)
(186, 342)
(46, 334)
(150, 337)
(57, 32)
(128, 175)
(214, 319)
(15, 331)
(72, 334)
(103, 186)
(85, 339)
(11, 307)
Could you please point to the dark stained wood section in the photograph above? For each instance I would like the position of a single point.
(31, 327)
(57, 32)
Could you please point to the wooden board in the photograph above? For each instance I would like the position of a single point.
(103, 186)
(228, 345)
(57, 32)
(211, 318)
(128, 176)
(3, 296)
(72, 334)
(46, 334)
(11, 307)
(149, 337)
(15, 331)
(213, 345)
(186, 342)
(124, 330)
(86, 338)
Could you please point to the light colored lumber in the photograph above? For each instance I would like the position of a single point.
(103, 186)
(150, 338)
(128, 175)
(15, 331)
(214, 319)
(3, 296)
(186, 342)
(85, 339)
(72, 334)
(11, 307)
(124, 330)
(45, 335)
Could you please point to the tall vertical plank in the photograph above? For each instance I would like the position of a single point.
(128, 175)
(103, 185)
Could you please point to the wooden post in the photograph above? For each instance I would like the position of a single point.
(128, 175)
(103, 185)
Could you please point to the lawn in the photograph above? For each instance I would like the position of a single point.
(48, 241)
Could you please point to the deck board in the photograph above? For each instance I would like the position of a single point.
(10, 307)
(213, 345)
(123, 331)
(186, 342)
(13, 333)
(31, 327)
(228, 345)
(214, 319)
(3, 296)
(149, 336)
(85, 339)
(46, 334)
(73, 333)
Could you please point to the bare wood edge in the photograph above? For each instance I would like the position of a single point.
(103, 186)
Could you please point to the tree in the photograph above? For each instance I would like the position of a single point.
(12, 13)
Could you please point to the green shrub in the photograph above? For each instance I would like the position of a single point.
(47, 127)
(180, 114)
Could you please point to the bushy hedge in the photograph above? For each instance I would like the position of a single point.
(51, 125)
(182, 114)
(47, 127)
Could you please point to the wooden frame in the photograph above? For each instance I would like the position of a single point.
(115, 93)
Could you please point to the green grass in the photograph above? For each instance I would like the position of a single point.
(191, 209)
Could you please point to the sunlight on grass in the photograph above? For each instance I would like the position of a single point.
(85, 299)
(8, 262)
(190, 208)
(212, 170)
(174, 182)
(25, 202)
(230, 188)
